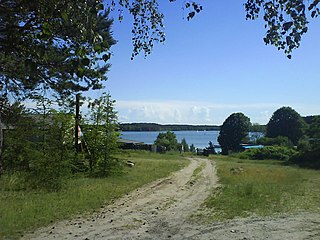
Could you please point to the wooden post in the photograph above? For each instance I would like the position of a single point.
(77, 120)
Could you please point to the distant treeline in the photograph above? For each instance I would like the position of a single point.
(166, 127)
(139, 127)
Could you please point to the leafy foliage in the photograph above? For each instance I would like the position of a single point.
(314, 128)
(286, 122)
(278, 141)
(148, 26)
(57, 45)
(167, 140)
(309, 158)
(233, 130)
(269, 152)
(38, 146)
(286, 20)
(102, 136)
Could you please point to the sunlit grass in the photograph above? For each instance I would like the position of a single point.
(21, 211)
(262, 188)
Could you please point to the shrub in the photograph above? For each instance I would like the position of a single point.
(278, 141)
(309, 158)
(269, 152)
(47, 172)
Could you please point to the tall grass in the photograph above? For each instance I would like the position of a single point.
(21, 211)
(262, 188)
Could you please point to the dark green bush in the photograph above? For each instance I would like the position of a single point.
(47, 171)
(269, 152)
(309, 158)
(278, 141)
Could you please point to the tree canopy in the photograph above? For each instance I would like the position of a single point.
(53, 45)
(167, 140)
(314, 128)
(58, 44)
(286, 122)
(233, 130)
(285, 20)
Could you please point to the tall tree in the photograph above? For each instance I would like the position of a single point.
(286, 122)
(233, 130)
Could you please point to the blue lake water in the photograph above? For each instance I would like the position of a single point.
(200, 139)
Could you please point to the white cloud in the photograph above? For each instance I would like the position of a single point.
(188, 112)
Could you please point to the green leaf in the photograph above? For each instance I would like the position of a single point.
(80, 72)
(64, 15)
(97, 48)
(106, 57)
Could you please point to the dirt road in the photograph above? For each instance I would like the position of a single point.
(162, 210)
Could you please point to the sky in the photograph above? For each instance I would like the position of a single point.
(211, 67)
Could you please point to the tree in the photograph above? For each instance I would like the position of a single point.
(184, 145)
(192, 148)
(102, 136)
(233, 130)
(286, 122)
(59, 43)
(314, 128)
(167, 140)
(53, 45)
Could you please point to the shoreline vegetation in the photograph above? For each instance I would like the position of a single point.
(155, 127)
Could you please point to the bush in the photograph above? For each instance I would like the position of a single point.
(47, 172)
(309, 158)
(278, 141)
(269, 152)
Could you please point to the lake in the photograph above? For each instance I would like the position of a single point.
(199, 139)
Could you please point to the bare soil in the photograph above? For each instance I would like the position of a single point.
(163, 210)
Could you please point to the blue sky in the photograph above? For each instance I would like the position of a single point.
(210, 67)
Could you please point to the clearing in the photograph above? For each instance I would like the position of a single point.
(164, 209)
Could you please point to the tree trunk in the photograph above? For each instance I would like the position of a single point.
(76, 128)
(1, 145)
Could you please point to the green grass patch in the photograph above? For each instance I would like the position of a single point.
(22, 211)
(262, 188)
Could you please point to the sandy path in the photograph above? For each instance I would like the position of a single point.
(162, 210)
(156, 211)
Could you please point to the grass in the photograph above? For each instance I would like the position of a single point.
(22, 211)
(262, 188)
